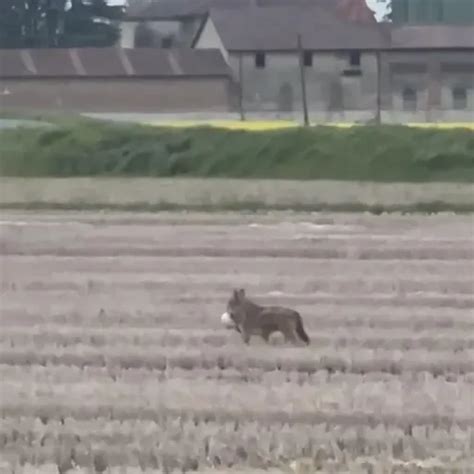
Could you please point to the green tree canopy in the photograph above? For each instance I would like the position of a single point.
(58, 23)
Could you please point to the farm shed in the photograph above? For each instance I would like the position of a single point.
(114, 80)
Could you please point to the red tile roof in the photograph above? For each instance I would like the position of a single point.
(355, 10)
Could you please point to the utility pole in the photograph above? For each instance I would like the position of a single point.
(303, 81)
(378, 112)
(241, 89)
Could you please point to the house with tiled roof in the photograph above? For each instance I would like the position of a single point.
(260, 45)
(351, 69)
(175, 22)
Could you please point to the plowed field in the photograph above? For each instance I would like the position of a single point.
(113, 357)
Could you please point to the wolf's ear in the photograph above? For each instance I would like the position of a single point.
(236, 295)
(242, 293)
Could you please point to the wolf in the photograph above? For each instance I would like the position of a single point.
(249, 318)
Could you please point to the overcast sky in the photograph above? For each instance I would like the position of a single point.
(379, 7)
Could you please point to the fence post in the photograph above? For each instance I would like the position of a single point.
(303, 81)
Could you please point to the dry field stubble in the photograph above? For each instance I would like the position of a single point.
(112, 353)
(224, 193)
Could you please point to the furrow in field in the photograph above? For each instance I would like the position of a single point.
(425, 395)
(71, 374)
(153, 300)
(359, 360)
(221, 249)
(364, 228)
(226, 445)
(111, 409)
(221, 284)
(136, 311)
(25, 265)
(127, 431)
(63, 336)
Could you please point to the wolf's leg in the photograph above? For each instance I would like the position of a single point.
(296, 339)
(245, 336)
(266, 334)
(289, 334)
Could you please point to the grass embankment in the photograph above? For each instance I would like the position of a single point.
(397, 168)
(387, 153)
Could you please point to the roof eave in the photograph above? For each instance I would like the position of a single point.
(293, 50)
(135, 76)
(197, 35)
(430, 48)
(176, 17)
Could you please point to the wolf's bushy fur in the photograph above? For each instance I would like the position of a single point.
(251, 319)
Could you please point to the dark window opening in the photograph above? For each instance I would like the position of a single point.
(354, 58)
(459, 98)
(308, 59)
(167, 42)
(409, 98)
(143, 36)
(352, 73)
(260, 60)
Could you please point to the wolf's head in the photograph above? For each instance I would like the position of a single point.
(235, 313)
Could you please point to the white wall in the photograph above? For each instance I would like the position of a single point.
(161, 28)
(325, 84)
(210, 39)
(127, 36)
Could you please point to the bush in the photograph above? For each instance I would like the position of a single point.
(366, 153)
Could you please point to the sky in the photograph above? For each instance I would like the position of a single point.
(379, 7)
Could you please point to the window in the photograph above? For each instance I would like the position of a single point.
(409, 98)
(352, 73)
(354, 58)
(308, 58)
(459, 98)
(167, 42)
(260, 60)
(143, 36)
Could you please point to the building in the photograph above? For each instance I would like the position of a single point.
(433, 12)
(412, 72)
(114, 80)
(339, 58)
(428, 72)
(245, 57)
(166, 23)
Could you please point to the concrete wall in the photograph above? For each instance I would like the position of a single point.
(334, 94)
(277, 86)
(116, 95)
(210, 39)
(434, 76)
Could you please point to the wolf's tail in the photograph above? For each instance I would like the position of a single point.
(300, 330)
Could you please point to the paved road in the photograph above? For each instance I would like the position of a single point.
(14, 123)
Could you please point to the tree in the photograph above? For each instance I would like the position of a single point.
(11, 22)
(382, 8)
(52, 23)
(388, 15)
(91, 24)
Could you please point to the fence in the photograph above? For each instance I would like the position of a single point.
(344, 86)
(381, 87)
